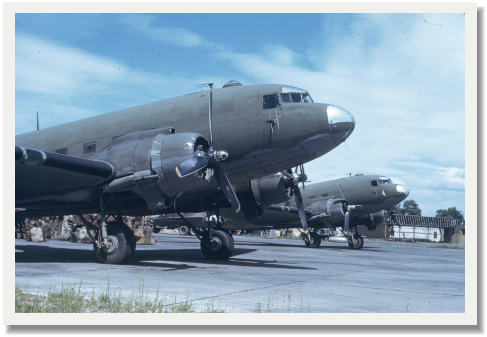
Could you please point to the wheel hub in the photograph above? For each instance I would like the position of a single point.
(216, 243)
(112, 244)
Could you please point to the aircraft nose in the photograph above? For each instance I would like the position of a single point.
(341, 121)
(402, 190)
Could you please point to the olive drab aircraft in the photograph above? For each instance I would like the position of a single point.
(343, 204)
(173, 156)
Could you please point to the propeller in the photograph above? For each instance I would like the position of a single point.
(210, 160)
(294, 180)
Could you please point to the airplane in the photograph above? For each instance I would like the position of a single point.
(345, 203)
(174, 155)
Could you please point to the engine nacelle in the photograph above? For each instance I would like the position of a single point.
(335, 208)
(377, 218)
(258, 194)
(145, 163)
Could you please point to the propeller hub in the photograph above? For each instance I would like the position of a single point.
(302, 178)
(220, 155)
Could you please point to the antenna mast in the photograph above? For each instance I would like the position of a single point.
(210, 112)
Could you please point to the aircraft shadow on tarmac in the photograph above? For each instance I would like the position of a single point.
(271, 244)
(144, 257)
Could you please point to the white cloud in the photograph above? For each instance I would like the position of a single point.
(146, 25)
(48, 68)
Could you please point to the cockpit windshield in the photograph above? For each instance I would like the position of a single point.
(295, 95)
(384, 180)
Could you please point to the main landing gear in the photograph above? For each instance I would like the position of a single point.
(215, 241)
(313, 240)
(354, 240)
(217, 244)
(113, 242)
(119, 246)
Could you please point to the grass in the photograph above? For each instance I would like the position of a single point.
(72, 300)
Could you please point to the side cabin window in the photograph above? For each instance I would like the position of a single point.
(89, 147)
(64, 151)
(270, 101)
(373, 182)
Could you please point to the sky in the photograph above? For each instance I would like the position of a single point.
(400, 75)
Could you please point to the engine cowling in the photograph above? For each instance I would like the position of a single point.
(377, 218)
(145, 163)
(335, 208)
(258, 194)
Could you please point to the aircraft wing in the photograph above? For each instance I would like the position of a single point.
(41, 175)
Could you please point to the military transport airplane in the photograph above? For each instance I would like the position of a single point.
(340, 203)
(172, 156)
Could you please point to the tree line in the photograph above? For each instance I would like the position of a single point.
(410, 207)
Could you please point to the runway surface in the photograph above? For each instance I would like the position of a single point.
(264, 275)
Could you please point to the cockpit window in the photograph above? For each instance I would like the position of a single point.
(285, 98)
(384, 180)
(295, 95)
(270, 101)
(373, 182)
(307, 98)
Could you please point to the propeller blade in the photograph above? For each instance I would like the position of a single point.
(226, 187)
(299, 205)
(191, 166)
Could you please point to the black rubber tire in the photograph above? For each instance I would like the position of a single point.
(359, 244)
(315, 241)
(221, 247)
(119, 233)
(156, 229)
(183, 230)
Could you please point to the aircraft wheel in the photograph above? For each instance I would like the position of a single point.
(357, 243)
(315, 241)
(220, 247)
(183, 230)
(121, 244)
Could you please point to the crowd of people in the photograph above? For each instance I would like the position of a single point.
(71, 228)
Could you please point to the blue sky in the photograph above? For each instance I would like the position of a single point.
(400, 75)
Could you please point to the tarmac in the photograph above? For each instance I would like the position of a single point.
(263, 275)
